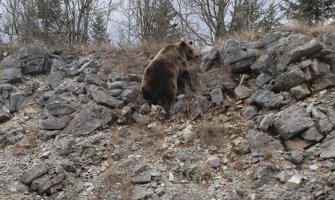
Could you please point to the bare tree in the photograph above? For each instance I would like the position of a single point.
(222, 17)
(51, 21)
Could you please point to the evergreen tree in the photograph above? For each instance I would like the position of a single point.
(48, 13)
(310, 11)
(164, 28)
(99, 32)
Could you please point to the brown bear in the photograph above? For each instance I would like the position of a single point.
(167, 73)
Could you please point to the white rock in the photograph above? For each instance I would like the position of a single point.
(295, 179)
(313, 167)
(152, 125)
(188, 133)
(213, 161)
(171, 177)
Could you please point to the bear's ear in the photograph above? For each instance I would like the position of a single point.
(190, 42)
(182, 44)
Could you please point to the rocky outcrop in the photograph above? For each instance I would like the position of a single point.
(292, 104)
(265, 130)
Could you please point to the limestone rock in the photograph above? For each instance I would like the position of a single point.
(300, 91)
(266, 99)
(140, 193)
(213, 161)
(318, 68)
(260, 142)
(4, 114)
(217, 96)
(292, 121)
(249, 112)
(328, 146)
(262, 79)
(287, 80)
(188, 134)
(10, 75)
(143, 178)
(102, 97)
(55, 79)
(55, 123)
(34, 173)
(93, 79)
(35, 59)
(331, 114)
(60, 109)
(307, 50)
(88, 119)
(312, 134)
(325, 126)
(242, 92)
(266, 121)
(239, 59)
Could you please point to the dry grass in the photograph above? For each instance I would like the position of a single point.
(107, 65)
(136, 59)
(211, 134)
(26, 144)
(112, 178)
(242, 36)
(314, 31)
(131, 58)
(151, 48)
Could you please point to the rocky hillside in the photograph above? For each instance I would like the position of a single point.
(260, 126)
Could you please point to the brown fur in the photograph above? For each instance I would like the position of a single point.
(167, 72)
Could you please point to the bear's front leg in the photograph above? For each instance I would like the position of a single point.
(186, 77)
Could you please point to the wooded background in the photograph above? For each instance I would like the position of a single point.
(132, 22)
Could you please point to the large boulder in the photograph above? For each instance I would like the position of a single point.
(34, 59)
(59, 108)
(286, 50)
(318, 68)
(57, 74)
(237, 56)
(10, 75)
(105, 98)
(260, 142)
(292, 121)
(90, 118)
(328, 146)
(306, 50)
(323, 82)
(289, 79)
(55, 123)
(266, 99)
(12, 61)
(300, 91)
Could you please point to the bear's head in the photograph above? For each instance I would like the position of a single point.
(186, 49)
